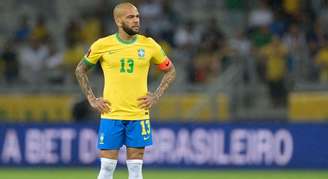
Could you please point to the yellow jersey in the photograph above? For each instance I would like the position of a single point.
(125, 65)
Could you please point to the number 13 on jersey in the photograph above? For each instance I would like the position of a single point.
(130, 65)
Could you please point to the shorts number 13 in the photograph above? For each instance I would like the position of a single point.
(145, 127)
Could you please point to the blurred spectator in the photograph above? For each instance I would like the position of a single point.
(205, 65)
(240, 44)
(322, 61)
(279, 24)
(40, 30)
(261, 37)
(167, 24)
(274, 56)
(260, 16)
(150, 9)
(212, 35)
(241, 48)
(236, 10)
(32, 61)
(24, 30)
(211, 58)
(54, 64)
(197, 70)
(314, 38)
(295, 42)
(73, 32)
(170, 12)
(91, 28)
(291, 7)
(73, 54)
(152, 15)
(323, 15)
(238, 5)
(186, 37)
(10, 62)
(104, 15)
(295, 39)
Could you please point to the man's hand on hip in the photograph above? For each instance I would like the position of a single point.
(100, 104)
(146, 102)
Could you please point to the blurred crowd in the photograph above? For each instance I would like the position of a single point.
(281, 41)
(33, 56)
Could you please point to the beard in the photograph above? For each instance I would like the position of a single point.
(129, 30)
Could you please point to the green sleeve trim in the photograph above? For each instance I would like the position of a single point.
(86, 62)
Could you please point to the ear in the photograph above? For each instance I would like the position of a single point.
(118, 21)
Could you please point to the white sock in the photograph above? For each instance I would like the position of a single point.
(107, 168)
(135, 169)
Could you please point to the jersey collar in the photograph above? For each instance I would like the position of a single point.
(127, 42)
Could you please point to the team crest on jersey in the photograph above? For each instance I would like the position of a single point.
(141, 52)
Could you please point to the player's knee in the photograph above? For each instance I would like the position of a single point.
(134, 153)
(111, 154)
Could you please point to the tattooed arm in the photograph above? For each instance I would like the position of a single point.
(146, 102)
(168, 77)
(99, 104)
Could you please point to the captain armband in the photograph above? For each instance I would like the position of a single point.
(165, 65)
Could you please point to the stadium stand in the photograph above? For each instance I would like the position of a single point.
(239, 60)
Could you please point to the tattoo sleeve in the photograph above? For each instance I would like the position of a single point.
(81, 75)
(167, 79)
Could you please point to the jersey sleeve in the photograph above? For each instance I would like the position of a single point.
(159, 55)
(93, 55)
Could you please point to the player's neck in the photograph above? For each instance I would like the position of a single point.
(124, 36)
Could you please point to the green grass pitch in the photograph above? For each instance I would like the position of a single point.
(91, 173)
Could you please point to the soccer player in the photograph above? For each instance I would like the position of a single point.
(125, 58)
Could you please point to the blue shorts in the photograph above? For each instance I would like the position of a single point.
(113, 134)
